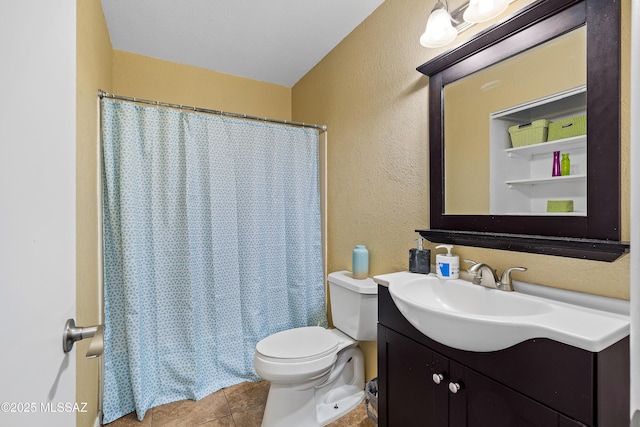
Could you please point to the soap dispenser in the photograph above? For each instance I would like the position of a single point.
(447, 265)
(420, 259)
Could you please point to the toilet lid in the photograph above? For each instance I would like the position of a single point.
(299, 343)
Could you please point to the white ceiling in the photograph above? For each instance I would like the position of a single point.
(274, 41)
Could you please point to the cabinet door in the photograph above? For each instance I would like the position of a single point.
(413, 398)
(489, 403)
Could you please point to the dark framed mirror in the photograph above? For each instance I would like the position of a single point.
(593, 230)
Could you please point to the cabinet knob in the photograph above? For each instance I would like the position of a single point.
(437, 378)
(454, 387)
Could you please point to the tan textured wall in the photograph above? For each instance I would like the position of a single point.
(93, 73)
(149, 78)
(375, 104)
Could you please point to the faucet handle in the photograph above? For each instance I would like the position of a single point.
(505, 281)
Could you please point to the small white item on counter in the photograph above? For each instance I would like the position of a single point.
(447, 265)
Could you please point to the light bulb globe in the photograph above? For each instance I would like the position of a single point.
(483, 10)
(439, 31)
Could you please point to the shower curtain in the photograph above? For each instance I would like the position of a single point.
(212, 242)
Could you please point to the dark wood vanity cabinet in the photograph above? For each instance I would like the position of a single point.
(536, 383)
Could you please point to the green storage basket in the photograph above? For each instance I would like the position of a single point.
(568, 128)
(529, 133)
(559, 205)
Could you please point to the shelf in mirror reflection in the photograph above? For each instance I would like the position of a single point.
(567, 144)
(547, 213)
(544, 181)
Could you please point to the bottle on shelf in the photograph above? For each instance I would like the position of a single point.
(565, 165)
(556, 171)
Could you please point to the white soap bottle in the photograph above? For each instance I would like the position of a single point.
(447, 265)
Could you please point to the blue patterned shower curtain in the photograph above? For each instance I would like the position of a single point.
(211, 243)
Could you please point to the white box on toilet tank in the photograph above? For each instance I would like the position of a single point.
(354, 305)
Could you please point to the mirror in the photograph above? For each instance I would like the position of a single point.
(468, 206)
(546, 82)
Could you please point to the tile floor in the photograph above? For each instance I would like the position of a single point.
(241, 405)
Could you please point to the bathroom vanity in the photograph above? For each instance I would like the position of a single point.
(538, 382)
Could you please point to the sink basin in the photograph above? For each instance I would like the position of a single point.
(471, 317)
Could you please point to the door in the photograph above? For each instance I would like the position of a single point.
(413, 398)
(489, 403)
(37, 212)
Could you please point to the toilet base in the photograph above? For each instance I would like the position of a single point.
(328, 412)
(311, 405)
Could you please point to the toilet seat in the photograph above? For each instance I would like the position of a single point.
(299, 356)
(298, 345)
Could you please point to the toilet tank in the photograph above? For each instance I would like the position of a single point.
(354, 305)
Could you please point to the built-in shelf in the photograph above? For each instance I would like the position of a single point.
(547, 213)
(593, 249)
(567, 102)
(528, 151)
(550, 180)
(520, 178)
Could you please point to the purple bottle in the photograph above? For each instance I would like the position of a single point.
(556, 164)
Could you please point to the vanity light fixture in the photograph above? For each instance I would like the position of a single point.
(443, 25)
(484, 10)
(439, 30)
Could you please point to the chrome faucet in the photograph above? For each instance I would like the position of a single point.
(486, 276)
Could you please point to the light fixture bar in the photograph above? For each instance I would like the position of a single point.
(439, 34)
(456, 18)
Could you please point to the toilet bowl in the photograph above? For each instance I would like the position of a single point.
(317, 374)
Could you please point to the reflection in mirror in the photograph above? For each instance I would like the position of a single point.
(484, 173)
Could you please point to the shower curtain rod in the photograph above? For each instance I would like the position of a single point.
(103, 94)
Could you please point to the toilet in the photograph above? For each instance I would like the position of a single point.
(317, 374)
